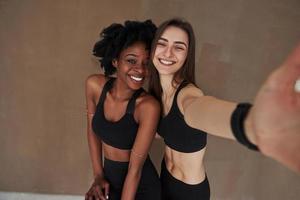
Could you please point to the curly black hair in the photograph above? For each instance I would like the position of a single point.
(117, 37)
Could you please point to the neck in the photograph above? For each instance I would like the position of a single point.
(167, 84)
(120, 91)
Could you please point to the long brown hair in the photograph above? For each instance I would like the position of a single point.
(187, 71)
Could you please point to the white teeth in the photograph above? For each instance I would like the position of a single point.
(166, 62)
(136, 78)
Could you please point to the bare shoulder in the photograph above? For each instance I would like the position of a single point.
(187, 95)
(146, 101)
(95, 81)
(93, 86)
(190, 91)
(146, 106)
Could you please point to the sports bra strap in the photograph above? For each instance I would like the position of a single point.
(105, 89)
(131, 103)
(182, 85)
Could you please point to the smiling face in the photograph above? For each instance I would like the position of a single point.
(171, 51)
(132, 65)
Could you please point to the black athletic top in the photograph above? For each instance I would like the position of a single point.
(176, 133)
(120, 134)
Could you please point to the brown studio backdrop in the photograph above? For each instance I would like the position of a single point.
(45, 56)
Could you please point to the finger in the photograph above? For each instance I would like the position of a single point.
(99, 193)
(291, 66)
(106, 190)
(284, 79)
(102, 198)
(96, 197)
(293, 60)
(87, 195)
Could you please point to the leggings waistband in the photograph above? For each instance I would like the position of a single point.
(177, 181)
(175, 189)
(121, 163)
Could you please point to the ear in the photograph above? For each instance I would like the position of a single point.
(115, 63)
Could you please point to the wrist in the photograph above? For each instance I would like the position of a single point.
(239, 124)
(249, 130)
(98, 175)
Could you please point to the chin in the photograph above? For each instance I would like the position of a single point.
(165, 72)
(136, 86)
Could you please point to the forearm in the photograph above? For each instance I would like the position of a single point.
(149, 109)
(249, 130)
(131, 184)
(215, 117)
(211, 115)
(95, 149)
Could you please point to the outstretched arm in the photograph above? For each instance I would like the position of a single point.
(207, 113)
(273, 123)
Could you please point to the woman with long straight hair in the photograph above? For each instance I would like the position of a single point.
(188, 115)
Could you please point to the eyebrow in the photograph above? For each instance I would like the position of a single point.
(134, 55)
(131, 54)
(176, 42)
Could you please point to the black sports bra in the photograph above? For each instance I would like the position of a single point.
(120, 134)
(176, 133)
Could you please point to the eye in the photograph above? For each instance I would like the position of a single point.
(180, 48)
(131, 61)
(161, 44)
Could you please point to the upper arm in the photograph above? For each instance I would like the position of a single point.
(208, 113)
(147, 116)
(187, 95)
(90, 90)
(93, 85)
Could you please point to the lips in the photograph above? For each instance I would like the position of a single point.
(165, 61)
(136, 78)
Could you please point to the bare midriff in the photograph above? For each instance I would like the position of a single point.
(115, 154)
(186, 167)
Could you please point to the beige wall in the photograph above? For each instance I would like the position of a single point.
(45, 56)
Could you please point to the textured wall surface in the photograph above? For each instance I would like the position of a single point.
(45, 56)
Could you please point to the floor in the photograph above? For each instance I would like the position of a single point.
(32, 196)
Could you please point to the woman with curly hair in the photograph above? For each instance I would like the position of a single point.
(122, 117)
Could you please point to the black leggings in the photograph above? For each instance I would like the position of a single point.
(149, 186)
(174, 189)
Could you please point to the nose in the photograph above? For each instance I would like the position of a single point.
(168, 52)
(140, 68)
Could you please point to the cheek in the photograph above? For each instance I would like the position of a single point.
(123, 69)
(158, 51)
(155, 61)
(183, 57)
